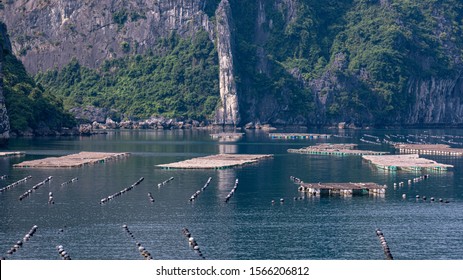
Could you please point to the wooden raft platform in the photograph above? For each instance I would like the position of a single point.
(220, 161)
(334, 149)
(429, 149)
(298, 136)
(227, 136)
(74, 160)
(410, 162)
(343, 189)
(11, 154)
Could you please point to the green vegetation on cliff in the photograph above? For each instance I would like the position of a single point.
(296, 61)
(181, 82)
(27, 104)
(357, 56)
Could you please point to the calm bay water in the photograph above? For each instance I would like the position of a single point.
(249, 226)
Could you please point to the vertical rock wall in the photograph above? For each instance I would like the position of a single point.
(436, 101)
(228, 113)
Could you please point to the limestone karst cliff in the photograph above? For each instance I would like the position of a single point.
(228, 113)
(305, 62)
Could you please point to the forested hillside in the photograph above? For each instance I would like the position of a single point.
(181, 82)
(30, 108)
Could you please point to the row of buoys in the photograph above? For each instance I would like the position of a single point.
(165, 182)
(295, 180)
(282, 200)
(387, 251)
(369, 142)
(371, 136)
(140, 248)
(63, 254)
(192, 242)
(70, 181)
(198, 192)
(12, 185)
(424, 198)
(111, 197)
(232, 192)
(410, 181)
(3, 177)
(21, 242)
(34, 188)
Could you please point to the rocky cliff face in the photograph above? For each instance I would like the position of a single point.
(4, 121)
(436, 101)
(228, 113)
(48, 34)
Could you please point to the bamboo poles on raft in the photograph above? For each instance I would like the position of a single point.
(73, 160)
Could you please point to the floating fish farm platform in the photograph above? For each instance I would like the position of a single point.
(428, 149)
(343, 189)
(409, 162)
(11, 154)
(74, 160)
(334, 149)
(219, 161)
(295, 136)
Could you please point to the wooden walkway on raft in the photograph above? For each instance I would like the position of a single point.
(343, 189)
(220, 161)
(298, 136)
(409, 162)
(227, 136)
(11, 154)
(428, 149)
(74, 160)
(334, 149)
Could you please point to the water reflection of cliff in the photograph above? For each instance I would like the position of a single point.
(228, 149)
(225, 181)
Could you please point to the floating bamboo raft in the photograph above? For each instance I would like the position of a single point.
(343, 189)
(220, 161)
(10, 154)
(410, 162)
(74, 160)
(227, 136)
(298, 136)
(429, 149)
(334, 149)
